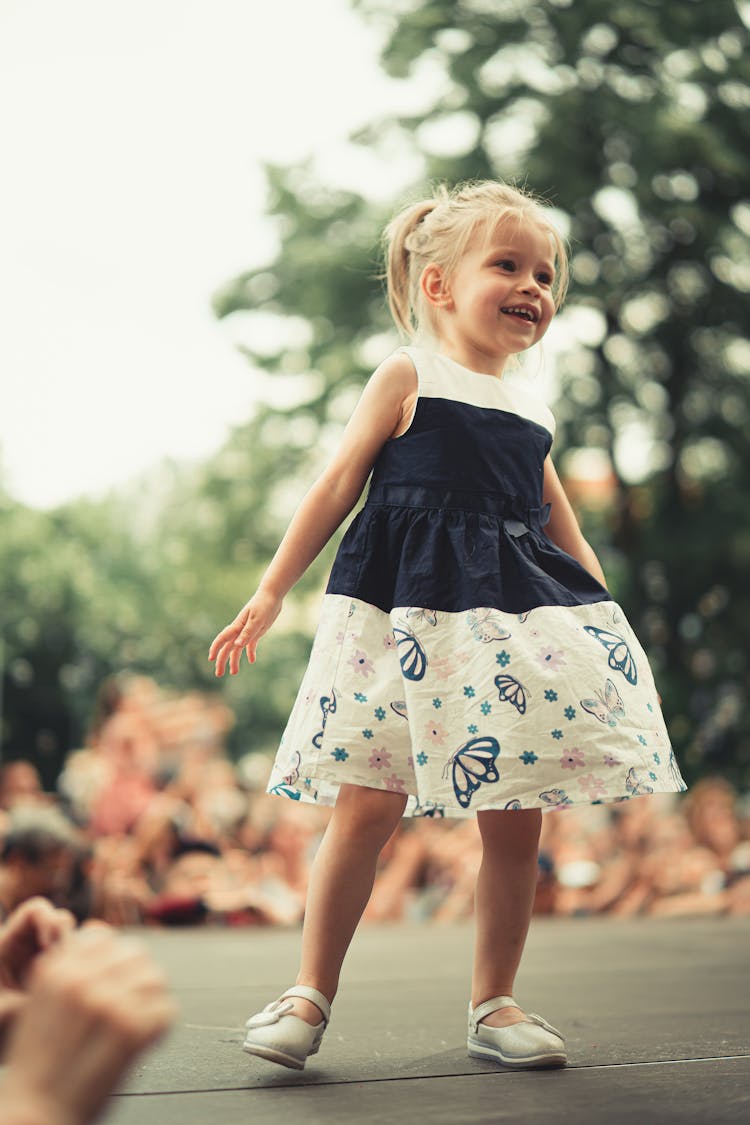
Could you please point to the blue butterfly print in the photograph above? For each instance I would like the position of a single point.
(399, 706)
(486, 625)
(283, 787)
(281, 790)
(328, 707)
(607, 707)
(417, 614)
(555, 797)
(412, 656)
(635, 786)
(620, 656)
(472, 765)
(523, 617)
(511, 690)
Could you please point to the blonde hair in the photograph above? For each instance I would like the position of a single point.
(439, 230)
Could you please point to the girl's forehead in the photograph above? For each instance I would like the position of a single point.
(521, 231)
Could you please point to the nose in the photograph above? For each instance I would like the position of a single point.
(528, 284)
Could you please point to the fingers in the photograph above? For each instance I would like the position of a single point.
(228, 647)
(250, 624)
(32, 928)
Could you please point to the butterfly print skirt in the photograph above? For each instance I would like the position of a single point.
(477, 710)
(462, 658)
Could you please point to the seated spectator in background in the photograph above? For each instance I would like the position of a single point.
(41, 854)
(202, 885)
(77, 1008)
(20, 784)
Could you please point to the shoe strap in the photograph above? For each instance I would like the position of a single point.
(476, 1015)
(543, 1023)
(306, 993)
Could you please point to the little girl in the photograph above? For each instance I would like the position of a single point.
(469, 658)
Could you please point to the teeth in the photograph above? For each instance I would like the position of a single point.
(525, 313)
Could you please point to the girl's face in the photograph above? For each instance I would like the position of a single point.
(499, 301)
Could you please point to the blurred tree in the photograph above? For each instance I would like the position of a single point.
(632, 120)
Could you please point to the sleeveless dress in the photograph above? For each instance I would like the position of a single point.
(463, 658)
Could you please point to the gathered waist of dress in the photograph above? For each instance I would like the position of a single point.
(503, 505)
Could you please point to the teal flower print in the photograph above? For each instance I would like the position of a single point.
(437, 703)
(340, 754)
(556, 733)
(657, 759)
(469, 691)
(422, 758)
(503, 658)
(528, 757)
(649, 707)
(367, 733)
(652, 775)
(379, 714)
(486, 708)
(360, 698)
(642, 740)
(550, 695)
(569, 712)
(472, 728)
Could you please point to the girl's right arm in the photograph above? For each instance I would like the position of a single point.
(381, 409)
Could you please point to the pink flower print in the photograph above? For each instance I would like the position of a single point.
(361, 664)
(341, 636)
(436, 732)
(551, 658)
(389, 641)
(442, 667)
(379, 759)
(395, 784)
(593, 786)
(611, 760)
(572, 758)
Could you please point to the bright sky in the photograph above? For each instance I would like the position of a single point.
(133, 138)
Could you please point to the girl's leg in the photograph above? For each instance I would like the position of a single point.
(341, 881)
(505, 891)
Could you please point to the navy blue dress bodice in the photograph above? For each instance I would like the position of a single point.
(454, 517)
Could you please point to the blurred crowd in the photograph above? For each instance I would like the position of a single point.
(151, 823)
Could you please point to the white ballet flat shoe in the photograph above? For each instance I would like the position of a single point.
(281, 1037)
(530, 1043)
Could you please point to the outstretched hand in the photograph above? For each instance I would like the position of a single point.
(254, 619)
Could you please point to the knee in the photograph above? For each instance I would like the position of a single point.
(515, 830)
(368, 814)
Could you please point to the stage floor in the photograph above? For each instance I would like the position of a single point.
(656, 1016)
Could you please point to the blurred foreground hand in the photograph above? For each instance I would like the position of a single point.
(94, 1001)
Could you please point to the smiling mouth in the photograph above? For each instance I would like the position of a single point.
(522, 313)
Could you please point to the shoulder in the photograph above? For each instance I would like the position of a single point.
(398, 370)
(395, 378)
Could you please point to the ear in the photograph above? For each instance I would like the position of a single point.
(435, 287)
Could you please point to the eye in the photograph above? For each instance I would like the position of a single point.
(506, 264)
(544, 278)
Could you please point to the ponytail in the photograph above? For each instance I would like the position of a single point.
(399, 262)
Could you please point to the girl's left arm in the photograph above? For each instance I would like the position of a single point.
(563, 528)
